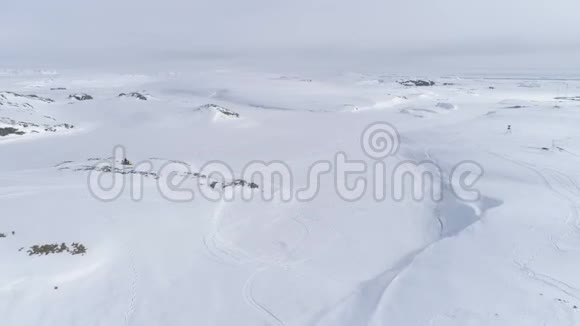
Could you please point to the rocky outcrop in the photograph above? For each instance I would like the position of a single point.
(235, 183)
(116, 166)
(106, 169)
(568, 98)
(80, 97)
(417, 83)
(47, 249)
(10, 131)
(218, 110)
(23, 127)
(136, 95)
(21, 100)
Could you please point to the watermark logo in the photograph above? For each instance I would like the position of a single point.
(380, 140)
(381, 174)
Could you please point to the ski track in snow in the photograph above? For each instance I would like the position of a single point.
(134, 291)
(437, 212)
(254, 304)
(215, 246)
(220, 251)
(552, 179)
(396, 271)
(228, 240)
(133, 283)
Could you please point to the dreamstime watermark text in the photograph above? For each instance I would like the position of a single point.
(381, 175)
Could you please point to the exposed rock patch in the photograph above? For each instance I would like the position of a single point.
(136, 95)
(80, 97)
(22, 127)
(47, 249)
(219, 110)
(21, 100)
(10, 131)
(568, 98)
(117, 166)
(417, 83)
(235, 183)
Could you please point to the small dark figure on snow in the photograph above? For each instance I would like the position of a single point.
(126, 162)
(509, 129)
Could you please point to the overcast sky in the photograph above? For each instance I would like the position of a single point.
(414, 27)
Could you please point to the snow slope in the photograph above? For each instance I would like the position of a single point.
(510, 258)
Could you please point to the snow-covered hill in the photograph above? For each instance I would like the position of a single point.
(509, 257)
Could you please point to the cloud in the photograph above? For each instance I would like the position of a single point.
(414, 26)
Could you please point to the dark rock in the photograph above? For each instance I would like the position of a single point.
(58, 89)
(7, 99)
(126, 168)
(136, 95)
(219, 109)
(80, 97)
(78, 249)
(417, 83)
(240, 183)
(38, 98)
(30, 97)
(108, 169)
(568, 98)
(47, 249)
(10, 131)
(235, 183)
(27, 125)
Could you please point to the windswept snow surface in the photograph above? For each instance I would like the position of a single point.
(510, 258)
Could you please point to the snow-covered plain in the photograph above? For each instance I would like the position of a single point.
(510, 258)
